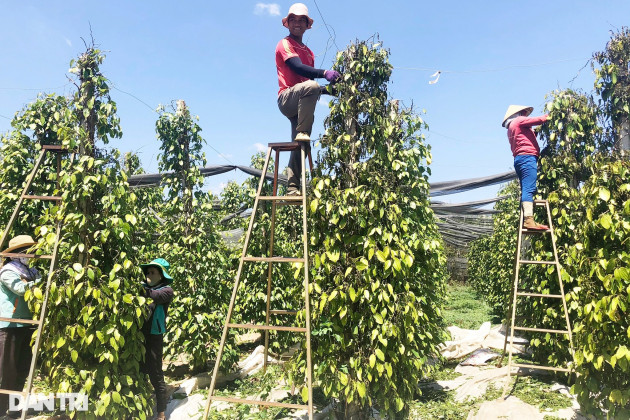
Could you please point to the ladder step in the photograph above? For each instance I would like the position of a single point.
(282, 312)
(255, 402)
(42, 197)
(540, 202)
(54, 148)
(557, 369)
(274, 259)
(20, 320)
(286, 146)
(266, 327)
(536, 262)
(542, 330)
(291, 198)
(14, 255)
(535, 231)
(9, 391)
(289, 203)
(538, 295)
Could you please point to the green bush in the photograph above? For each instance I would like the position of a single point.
(587, 183)
(599, 262)
(189, 240)
(379, 268)
(92, 342)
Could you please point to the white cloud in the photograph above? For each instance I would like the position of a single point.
(68, 42)
(272, 9)
(260, 147)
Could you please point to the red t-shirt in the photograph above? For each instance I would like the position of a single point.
(522, 137)
(288, 48)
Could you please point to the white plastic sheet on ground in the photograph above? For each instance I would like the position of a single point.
(185, 407)
(464, 342)
(479, 357)
(477, 383)
(510, 408)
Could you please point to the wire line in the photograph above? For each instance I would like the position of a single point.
(325, 24)
(434, 69)
(135, 97)
(330, 35)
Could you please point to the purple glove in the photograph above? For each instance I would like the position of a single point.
(331, 75)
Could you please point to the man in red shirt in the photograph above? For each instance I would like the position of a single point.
(298, 92)
(526, 151)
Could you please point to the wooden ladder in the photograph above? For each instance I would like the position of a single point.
(270, 259)
(518, 293)
(57, 150)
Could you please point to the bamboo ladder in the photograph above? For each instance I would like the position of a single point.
(518, 293)
(270, 259)
(57, 150)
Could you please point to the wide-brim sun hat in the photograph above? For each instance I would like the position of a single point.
(297, 9)
(513, 109)
(160, 263)
(20, 241)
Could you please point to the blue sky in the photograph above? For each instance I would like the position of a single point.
(219, 58)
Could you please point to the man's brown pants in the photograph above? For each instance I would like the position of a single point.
(297, 103)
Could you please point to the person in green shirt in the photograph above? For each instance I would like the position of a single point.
(157, 288)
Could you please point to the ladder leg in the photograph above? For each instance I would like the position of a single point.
(310, 160)
(270, 265)
(235, 289)
(309, 368)
(42, 317)
(513, 303)
(508, 314)
(564, 301)
(58, 168)
(509, 311)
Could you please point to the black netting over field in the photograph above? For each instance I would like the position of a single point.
(459, 223)
(437, 188)
(153, 180)
(461, 185)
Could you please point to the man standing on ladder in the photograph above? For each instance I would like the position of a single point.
(298, 92)
(526, 151)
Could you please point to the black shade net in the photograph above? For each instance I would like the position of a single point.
(459, 223)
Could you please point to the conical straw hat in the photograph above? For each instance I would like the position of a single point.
(513, 109)
(20, 241)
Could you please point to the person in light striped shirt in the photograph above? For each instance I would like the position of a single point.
(16, 277)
